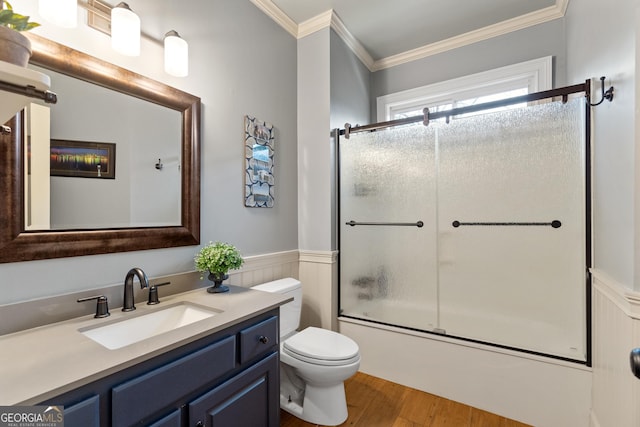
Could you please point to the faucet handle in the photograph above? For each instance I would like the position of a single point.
(102, 306)
(153, 293)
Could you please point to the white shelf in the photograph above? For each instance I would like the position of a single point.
(11, 103)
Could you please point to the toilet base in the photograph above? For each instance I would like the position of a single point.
(325, 406)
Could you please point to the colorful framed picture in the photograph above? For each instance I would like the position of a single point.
(83, 159)
(259, 184)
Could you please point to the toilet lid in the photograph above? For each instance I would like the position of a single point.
(321, 344)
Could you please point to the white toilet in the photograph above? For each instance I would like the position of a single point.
(314, 363)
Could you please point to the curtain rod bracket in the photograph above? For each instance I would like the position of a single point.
(425, 112)
(608, 94)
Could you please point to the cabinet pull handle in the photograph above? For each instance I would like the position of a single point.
(200, 424)
(263, 339)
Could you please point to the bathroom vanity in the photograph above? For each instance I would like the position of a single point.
(221, 370)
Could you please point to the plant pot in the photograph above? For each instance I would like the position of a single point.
(15, 48)
(217, 279)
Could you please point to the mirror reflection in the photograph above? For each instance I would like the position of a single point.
(46, 236)
(88, 121)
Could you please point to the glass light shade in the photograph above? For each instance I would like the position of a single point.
(125, 30)
(176, 55)
(63, 13)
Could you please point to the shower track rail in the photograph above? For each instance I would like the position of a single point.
(562, 93)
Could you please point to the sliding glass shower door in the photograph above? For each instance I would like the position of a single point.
(387, 188)
(501, 253)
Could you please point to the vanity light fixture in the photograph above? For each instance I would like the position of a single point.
(176, 55)
(125, 30)
(63, 13)
(106, 19)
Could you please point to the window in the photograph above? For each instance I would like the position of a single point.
(506, 82)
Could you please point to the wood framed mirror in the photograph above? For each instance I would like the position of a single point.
(19, 244)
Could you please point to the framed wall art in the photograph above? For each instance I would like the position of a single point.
(83, 159)
(259, 183)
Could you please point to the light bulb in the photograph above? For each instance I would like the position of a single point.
(125, 30)
(176, 55)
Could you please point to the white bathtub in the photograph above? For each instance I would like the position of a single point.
(516, 332)
(536, 390)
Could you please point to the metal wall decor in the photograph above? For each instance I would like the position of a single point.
(258, 158)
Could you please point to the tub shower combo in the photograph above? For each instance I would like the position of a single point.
(474, 226)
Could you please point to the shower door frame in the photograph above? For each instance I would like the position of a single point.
(553, 94)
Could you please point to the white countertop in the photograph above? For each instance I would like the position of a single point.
(44, 362)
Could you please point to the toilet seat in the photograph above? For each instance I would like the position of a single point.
(322, 347)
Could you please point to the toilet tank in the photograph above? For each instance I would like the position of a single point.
(289, 312)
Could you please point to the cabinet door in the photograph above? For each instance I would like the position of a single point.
(250, 399)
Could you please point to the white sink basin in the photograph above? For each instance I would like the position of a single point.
(131, 330)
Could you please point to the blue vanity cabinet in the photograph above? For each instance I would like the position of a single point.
(134, 400)
(244, 400)
(222, 380)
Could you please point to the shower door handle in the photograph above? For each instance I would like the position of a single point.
(554, 224)
(634, 358)
(418, 224)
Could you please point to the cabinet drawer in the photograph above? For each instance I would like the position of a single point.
(159, 389)
(258, 339)
(85, 413)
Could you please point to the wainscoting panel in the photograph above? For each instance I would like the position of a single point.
(265, 268)
(616, 331)
(319, 277)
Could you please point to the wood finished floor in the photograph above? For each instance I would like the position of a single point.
(374, 402)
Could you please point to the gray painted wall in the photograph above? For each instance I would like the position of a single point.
(530, 43)
(350, 86)
(350, 100)
(241, 62)
(594, 51)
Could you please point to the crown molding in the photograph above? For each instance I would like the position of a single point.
(330, 18)
(356, 47)
(275, 13)
(534, 18)
(314, 24)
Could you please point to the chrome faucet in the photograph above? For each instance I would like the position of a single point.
(128, 303)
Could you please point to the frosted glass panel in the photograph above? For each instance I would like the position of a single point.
(388, 272)
(519, 286)
(487, 265)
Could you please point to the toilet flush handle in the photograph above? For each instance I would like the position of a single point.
(263, 339)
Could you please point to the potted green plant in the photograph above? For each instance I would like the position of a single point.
(15, 48)
(217, 259)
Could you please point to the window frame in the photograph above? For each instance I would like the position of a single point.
(536, 75)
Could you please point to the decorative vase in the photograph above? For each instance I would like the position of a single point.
(15, 48)
(217, 279)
